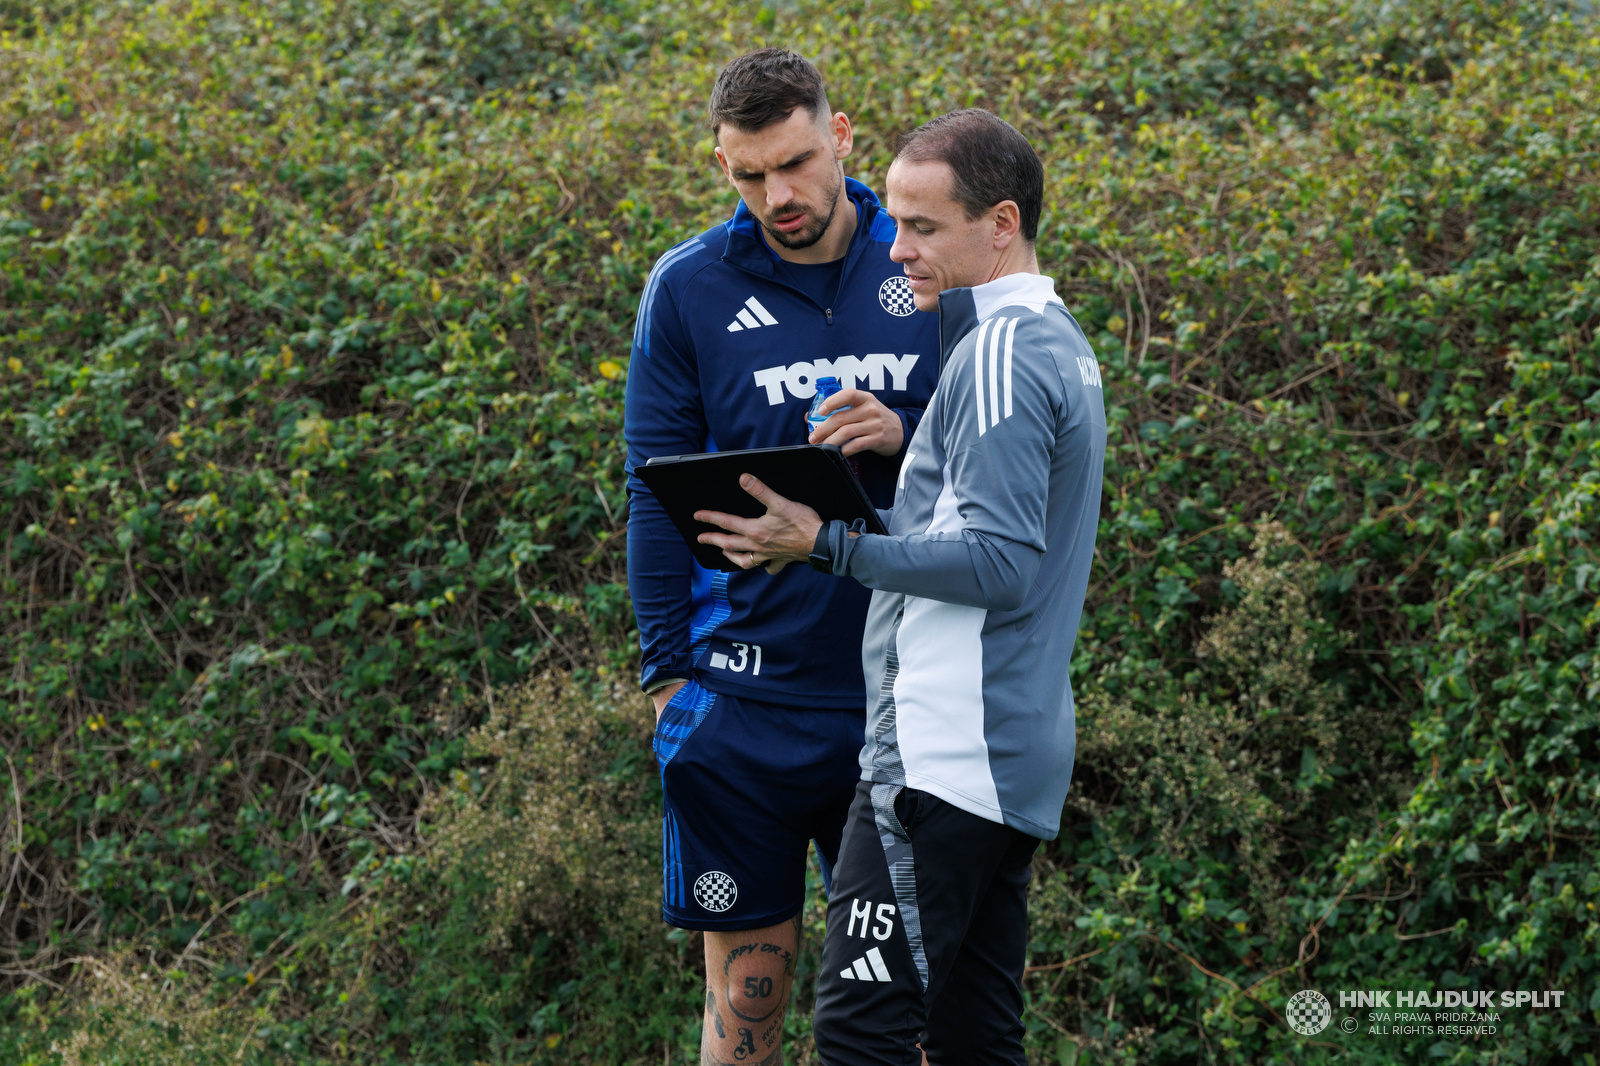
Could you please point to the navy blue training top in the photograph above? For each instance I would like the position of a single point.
(725, 353)
(820, 281)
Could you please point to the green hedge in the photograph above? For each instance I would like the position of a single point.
(313, 326)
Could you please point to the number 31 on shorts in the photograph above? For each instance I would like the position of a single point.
(749, 655)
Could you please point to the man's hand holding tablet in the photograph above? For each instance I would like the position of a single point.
(784, 535)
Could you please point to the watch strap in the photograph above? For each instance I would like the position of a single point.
(821, 558)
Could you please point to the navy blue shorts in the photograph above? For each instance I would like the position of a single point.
(748, 785)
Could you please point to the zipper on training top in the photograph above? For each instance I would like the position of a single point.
(849, 255)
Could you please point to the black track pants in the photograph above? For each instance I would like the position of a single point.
(927, 930)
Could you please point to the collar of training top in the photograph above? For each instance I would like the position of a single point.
(746, 249)
(1032, 291)
(960, 310)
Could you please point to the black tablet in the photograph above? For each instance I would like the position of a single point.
(816, 475)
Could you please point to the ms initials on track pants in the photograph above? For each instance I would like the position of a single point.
(927, 932)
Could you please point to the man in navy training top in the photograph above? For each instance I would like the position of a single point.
(757, 681)
(978, 590)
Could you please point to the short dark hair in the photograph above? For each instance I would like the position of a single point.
(991, 162)
(763, 87)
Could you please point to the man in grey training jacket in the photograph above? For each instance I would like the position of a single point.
(978, 590)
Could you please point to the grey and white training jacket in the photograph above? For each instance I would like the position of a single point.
(979, 585)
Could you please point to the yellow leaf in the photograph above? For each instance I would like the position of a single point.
(610, 370)
(313, 429)
(46, 202)
(15, 364)
(201, 227)
(438, 293)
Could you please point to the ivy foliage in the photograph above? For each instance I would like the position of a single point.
(314, 320)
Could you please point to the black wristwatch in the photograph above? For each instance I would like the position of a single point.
(821, 558)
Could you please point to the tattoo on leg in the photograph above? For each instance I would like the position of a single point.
(716, 1018)
(758, 987)
(759, 979)
(794, 923)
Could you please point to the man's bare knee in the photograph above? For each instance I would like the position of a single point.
(749, 975)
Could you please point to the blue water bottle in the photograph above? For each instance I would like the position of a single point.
(814, 417)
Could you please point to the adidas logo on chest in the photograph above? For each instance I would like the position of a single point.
(751, 316)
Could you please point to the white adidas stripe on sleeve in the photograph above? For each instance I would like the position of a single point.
(991, 384)
(994, 372)
(977, 373)
(1011, 335)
